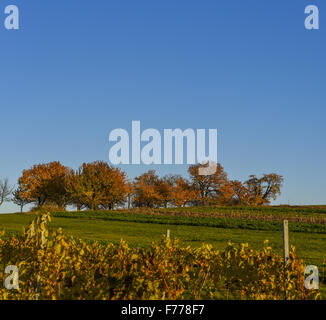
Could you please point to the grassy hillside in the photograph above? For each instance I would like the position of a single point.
(212, 225)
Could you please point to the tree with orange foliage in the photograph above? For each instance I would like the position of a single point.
(45, 184)
(263, 190)
(76, 190)
(225, 194)
(210, 187)
(241, 193)
(130, 191)
(164, 189)
(146, 190)
(97, 185)
(183, 193)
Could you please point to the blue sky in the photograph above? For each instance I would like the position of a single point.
(78, 69)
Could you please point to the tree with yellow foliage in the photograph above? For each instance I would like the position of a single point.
(97, 185)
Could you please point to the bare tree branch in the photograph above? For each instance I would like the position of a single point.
(18, 199)
(5, 190)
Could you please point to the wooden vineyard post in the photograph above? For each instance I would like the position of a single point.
(285, 250)
(168, 233)
(286, 241)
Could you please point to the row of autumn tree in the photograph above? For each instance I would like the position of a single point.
(98, 185)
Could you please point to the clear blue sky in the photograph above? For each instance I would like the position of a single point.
(78, 69)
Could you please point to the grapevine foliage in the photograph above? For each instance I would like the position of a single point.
(56, 266)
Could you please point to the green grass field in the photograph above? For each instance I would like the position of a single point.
(209, 225)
